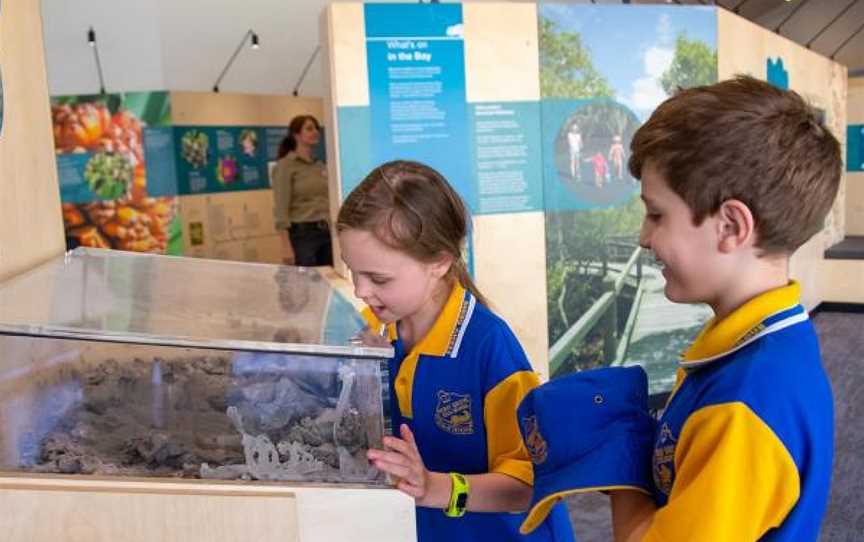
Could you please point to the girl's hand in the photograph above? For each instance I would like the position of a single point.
(367, 337)
(402, 460)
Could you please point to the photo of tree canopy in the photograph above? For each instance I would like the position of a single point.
(603, 71)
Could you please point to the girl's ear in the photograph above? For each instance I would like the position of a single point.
(441, 265)
(736, 227)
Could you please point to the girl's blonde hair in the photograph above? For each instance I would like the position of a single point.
(410, 207)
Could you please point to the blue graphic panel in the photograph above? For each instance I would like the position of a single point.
(417, 89)
(855, 147)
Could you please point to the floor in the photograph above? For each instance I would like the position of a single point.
(842, 339)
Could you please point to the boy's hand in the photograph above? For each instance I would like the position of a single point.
(402, 460)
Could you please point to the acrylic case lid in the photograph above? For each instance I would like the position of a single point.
(107, 295)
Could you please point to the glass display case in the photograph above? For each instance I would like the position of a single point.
(116, 363)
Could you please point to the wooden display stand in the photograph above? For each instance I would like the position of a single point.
(66, 508)
(101, 510)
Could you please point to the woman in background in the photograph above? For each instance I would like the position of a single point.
(301, 206)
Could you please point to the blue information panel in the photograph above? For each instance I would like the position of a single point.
(855, 147)
(161, 168)
(417, 89)
(507, 156)
(73, 185)
(224, 158)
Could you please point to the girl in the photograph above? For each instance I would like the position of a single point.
(300, 198)
(458, 373)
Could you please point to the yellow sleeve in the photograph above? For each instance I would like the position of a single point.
(369, 317)
(282, 193)
(734, 479)
(507, 453)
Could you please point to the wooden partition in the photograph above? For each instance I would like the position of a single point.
(744, 47)
(31, 228)
(855, 180)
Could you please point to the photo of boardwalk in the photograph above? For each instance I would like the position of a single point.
(606, 304)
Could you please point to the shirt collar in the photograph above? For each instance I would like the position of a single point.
(297, 158)
(767, 312)
(445, 336)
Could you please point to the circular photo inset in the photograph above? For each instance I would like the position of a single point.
(249, 142)
(591, 152)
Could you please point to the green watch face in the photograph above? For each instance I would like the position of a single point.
(461, 501)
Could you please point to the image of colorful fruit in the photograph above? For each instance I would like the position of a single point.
(140, 226)
(193, 147)
(81, 125)
(111, 128)
(108, 174)
(226, 171)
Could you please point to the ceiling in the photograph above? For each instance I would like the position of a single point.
(184, 44)
(832, 28)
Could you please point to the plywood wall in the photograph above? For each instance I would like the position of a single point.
(502, 65)
(744, 47)
(855, 181)
(221, 109)
(31, 227)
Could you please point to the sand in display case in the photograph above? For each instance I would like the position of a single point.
(122, 364)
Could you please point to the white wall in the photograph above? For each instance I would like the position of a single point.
(129, 45)
(183, 45)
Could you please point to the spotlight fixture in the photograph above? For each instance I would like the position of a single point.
(296, 90)
(91, 41)
(253, 40)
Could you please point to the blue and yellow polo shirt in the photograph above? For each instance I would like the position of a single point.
(744, 448)
(458, 389)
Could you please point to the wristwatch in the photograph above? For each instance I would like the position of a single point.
(458, 496)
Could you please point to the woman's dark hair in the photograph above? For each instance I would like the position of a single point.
(289, 143)
(410, 207)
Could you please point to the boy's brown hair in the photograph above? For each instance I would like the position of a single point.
(745, 139)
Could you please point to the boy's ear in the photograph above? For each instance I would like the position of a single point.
(736, 226)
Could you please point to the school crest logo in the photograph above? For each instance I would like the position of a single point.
(453, 413)
(534, 441)
(664, 460)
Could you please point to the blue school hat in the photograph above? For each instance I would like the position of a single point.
(589, 431)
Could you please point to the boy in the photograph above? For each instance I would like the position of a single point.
(735, 177)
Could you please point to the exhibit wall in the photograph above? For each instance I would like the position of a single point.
(747, 48)
(30, 224)
(855, 158)
(234, 225)
(458, 90)
(541, 161)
